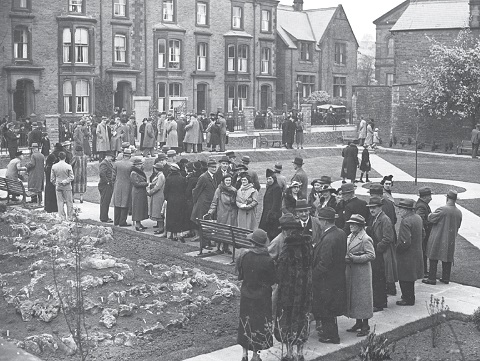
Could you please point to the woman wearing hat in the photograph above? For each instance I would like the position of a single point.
(321, 196)
(175, 186)
(294, 293)
(257, 271)
(139, 194)
(156, 194)
(194, 170)
(292, 194)
(247, 202)
(171, 131)
(360, 252)
(79, 166)
(272, 206)
(224, 205)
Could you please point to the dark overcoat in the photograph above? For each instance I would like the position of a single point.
(122, 189)
(409, 248)
(36, 172)
(180, 131)
(384, 233)
(328, 276)
(294, 274)
(301, 176)
(272, 210)
(345, 209)
(139, 195)
(202, 196)
(192, 180)
(175, 186)
(423, 210)
(50, 192)
(350, 162)
(365, 165)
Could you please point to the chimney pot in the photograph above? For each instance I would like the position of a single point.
(298, 5)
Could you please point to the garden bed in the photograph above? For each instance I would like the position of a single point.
(142, 299)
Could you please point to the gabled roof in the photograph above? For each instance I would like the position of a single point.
(391, 12)
(434, 14)
(308, 25)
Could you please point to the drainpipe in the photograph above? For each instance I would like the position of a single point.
(145, 40)
(101, 42)
(255, 92)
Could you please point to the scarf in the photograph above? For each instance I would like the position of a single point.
(139, 172)
(230, 190)
(239, 261)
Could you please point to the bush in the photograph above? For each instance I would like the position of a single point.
(394, 140)
(409, 141)
(391, 142)
(475, 318)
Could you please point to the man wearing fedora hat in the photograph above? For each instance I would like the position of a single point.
(310, 226)
(348, 205)
(36, 173)
(222, 123)
(281, 179)
(328, 277)
(223, 169)
(381, 230)
(105, 185)
(409, 251)
(446, 222)
(253, 175)
(61, 177)
(300, 176)
(122, 189)
(423, 210)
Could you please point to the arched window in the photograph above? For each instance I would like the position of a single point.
(390, 46)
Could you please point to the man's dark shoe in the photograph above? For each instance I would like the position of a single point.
(405, 303)
(107, 221)
(444, 281)
(326, 339)
(126, 225)
(429, 282)
(377, 309)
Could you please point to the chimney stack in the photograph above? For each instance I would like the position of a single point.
(298, 5)
(474, 13)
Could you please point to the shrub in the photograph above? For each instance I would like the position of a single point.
(394, 140)
(475, 318)
(409, 141)
(391, 142)
(375, 348)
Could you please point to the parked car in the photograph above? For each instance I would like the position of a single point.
(329, 114)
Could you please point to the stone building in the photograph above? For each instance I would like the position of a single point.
(316, 50)
(402, 40)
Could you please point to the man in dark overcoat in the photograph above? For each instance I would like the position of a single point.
(122, 189)
(423, 210)
(350, 162)
(409, 251)
(36, 173)
(446, 222)
(202, 194)
(105, 185)
(381, 230)
(272, 206)
(300, 176)
(348, 205)
(328, 277)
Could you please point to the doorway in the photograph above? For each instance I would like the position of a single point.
(24, 98)
(201, 98)
(123, 96)
(265, 98)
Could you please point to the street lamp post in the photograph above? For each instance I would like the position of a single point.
(298, 84)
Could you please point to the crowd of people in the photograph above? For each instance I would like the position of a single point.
(335, 254)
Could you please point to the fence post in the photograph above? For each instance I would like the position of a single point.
(306, 110)
(249, 116)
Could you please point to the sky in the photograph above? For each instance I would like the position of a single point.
(360, 13)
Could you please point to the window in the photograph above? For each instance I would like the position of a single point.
(306, 85)
(242, 58)
(67, 45)
(340, 53)
(339, 87)
(161, 97)
(81, 96)
(306, 51)
(389, 79)
(161, 54)
(174, 54)
(78, 102)
(237, 12)
(390, 45)
(76, 6)
(120, 8)
(231, 58)
(265, 26)
(231, 98)
(168, 10)
(21, 4)
(67, 97)
(81, 45)
(201, 13)
(242, 96)
(174, 89)
(120, 45)
(202, 56)
(265, 68)
(20, 43)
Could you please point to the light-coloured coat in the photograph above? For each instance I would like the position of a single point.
(446, 221)
(409, 248)
(192, 129)
(149, 137)
(225, 207)
(172, 136)
(36, 172)
(301, 176)
(247, 201)
(359, 276)
(103, 142)
(122, 189)
(362, 129)
(162, 129)
(157, 196)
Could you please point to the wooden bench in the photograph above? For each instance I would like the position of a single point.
(270, 138)
(211, 231)
(464, 147)
(12, 186)
(348, 136)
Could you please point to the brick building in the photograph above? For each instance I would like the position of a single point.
(405, 31)
(316, 50)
